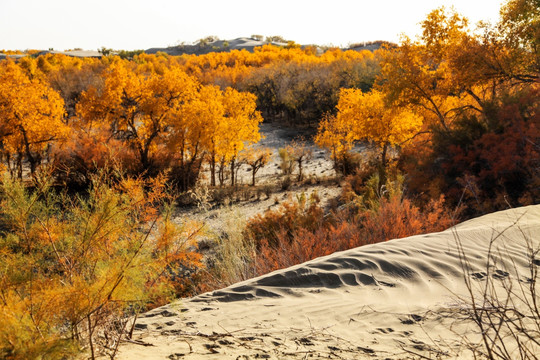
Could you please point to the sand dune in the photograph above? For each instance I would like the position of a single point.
(219, 45)
(398, 299)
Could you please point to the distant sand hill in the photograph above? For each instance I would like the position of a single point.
(73, 53)
(215, 46)
(243, 43)
(389, 300)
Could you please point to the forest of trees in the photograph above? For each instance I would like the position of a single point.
(95, 152)
(158, 112)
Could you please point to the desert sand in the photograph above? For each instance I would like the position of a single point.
(399, 299)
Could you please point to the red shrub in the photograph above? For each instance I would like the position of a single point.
(397, 218)
(286, 221)
(393, 218)
(85, 153)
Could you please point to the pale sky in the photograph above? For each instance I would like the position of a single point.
(141, 24)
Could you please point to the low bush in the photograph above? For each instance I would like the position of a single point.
(87, 153)
(501, 301)
(286, 221)
(74, 269)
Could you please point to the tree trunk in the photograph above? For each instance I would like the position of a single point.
(9, 165)
(213, 171)
(31, 159)
(237, 169)
(182, 167)
(382, 170)
(383, 158)
(232, 171)
(33, 165)
(145, 163)
(221, 172)
(19, 165)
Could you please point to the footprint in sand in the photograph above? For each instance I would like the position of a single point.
(413, 318)
(500, 274)
(176, 356)
(478, 275)
(384, 331)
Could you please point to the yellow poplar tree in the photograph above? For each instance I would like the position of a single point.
(137, 106)
(32, 115)
(335, 135)
(447, 71)
(230, 121)
(367, 116)
(240, 125)
(211, 114)
(194, 129)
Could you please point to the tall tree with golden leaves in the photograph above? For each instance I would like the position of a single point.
(241, 126)
(369, 117)
(137, 106)
(32, 115)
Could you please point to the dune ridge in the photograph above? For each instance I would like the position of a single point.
(390, 300)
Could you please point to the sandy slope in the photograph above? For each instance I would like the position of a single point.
(388, 300)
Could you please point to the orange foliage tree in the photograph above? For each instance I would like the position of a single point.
(367, 116)
(464, 84)
(336, 137)
(154, 106)
(138, 107)
(32, 116)
(419, 73)
(241, 126)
